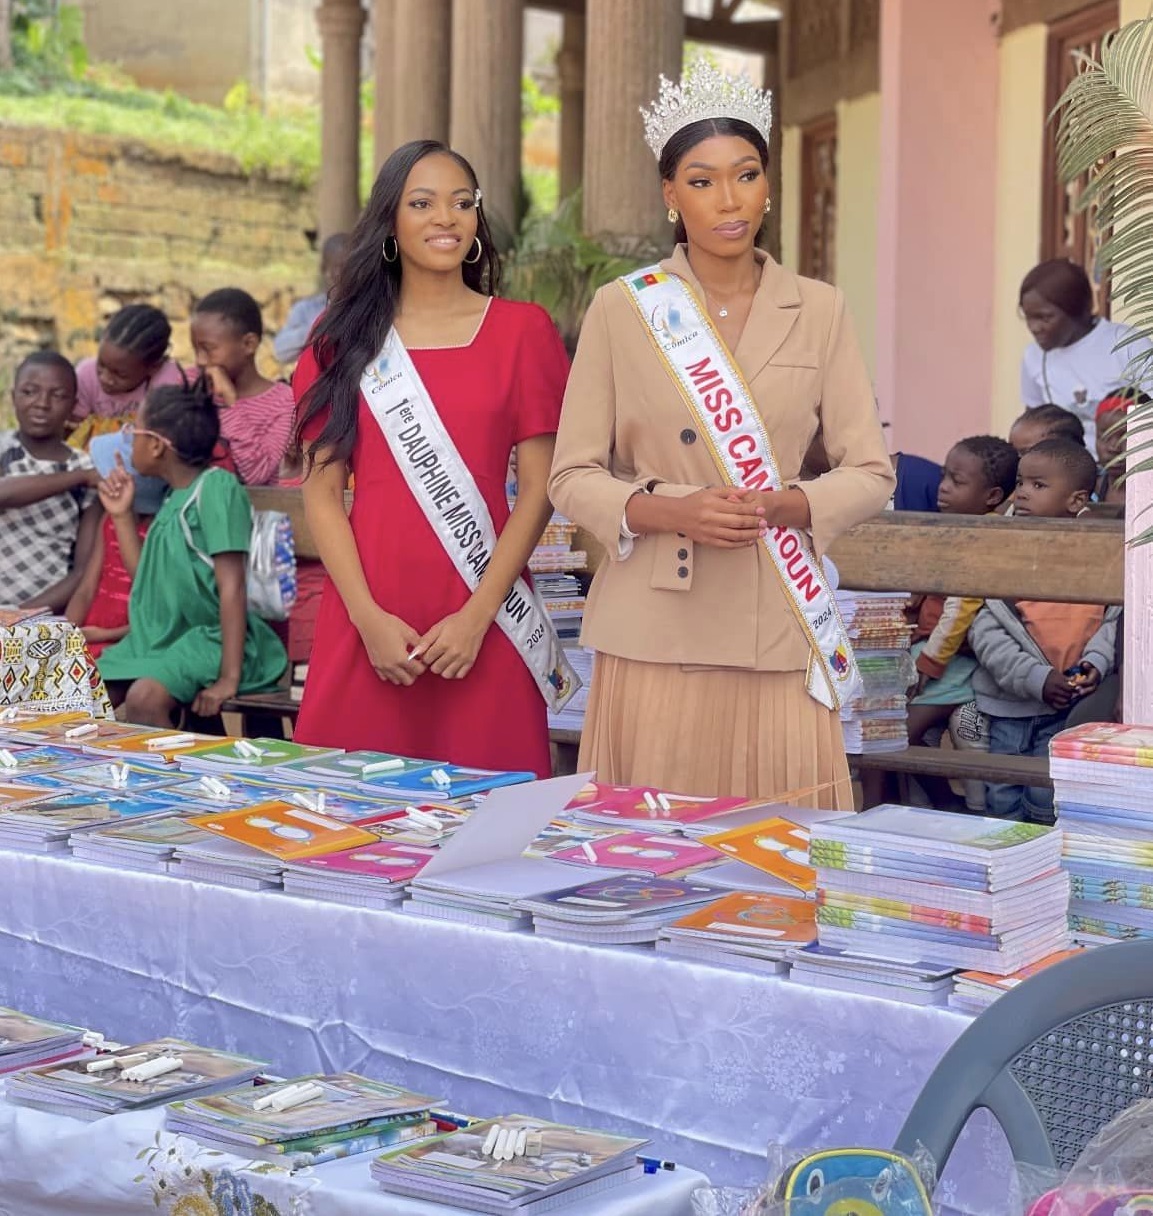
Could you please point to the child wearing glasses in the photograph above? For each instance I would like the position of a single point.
(48, 511)
(191, 639)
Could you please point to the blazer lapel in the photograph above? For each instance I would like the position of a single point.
(775, 309)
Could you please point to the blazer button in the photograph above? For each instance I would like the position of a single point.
(682, 555)
(688, 435)
(682, 572)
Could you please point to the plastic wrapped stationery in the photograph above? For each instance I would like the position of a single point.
(372, 876)
(131, 1078)
(26, 1042)
(913, 885)
(307, 1120)
(511, 1164)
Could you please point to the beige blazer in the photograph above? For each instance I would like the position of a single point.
(624, 423)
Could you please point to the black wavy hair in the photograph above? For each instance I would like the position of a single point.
(141, 330)
(47, 358)
(237, 307)
(1064, 284)
(998, 460)
(188, 417)
(1072, 458)
(363, 303)
(686, 139)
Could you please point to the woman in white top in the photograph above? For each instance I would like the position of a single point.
(1075, 359)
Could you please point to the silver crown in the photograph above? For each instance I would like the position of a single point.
(705, 92)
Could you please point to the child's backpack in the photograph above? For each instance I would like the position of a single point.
(271, 559)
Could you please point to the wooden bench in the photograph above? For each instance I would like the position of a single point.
(1062, 561)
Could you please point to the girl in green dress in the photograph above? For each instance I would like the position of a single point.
(191, 639)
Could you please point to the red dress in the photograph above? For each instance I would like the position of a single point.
(109, 607)
(505, 386)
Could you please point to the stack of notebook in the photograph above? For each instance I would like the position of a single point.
(642, 809)
(624, 910)
(1103, 790)
(975, 991)
(146, 845)
(305, 1121)
(743, 930)
(876, 720)
(245, 757)
(131, 1078)
(911, 983)
(371, 876)
(914, 885)
(28, 1042)
(46, 825)
(513, 1164)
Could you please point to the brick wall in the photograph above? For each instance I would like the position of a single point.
(88, 224)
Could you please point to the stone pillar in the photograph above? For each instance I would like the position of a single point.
(487, 56)
(570, 62)
(630, 45)
(340, 23)
(421, 59)
(936, 247)
(384, 77)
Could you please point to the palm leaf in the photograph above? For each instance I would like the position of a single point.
(1105, 132)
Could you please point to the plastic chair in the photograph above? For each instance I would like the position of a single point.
(1053, 1060)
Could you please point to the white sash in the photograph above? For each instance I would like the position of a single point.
(722, 407)
(442, 485)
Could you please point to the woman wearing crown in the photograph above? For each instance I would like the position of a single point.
(698, 385)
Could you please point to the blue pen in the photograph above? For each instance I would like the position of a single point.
(653, 1164)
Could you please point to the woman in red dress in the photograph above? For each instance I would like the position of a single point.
(405, 658)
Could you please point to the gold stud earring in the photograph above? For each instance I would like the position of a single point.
(768, 205)
(674, 215)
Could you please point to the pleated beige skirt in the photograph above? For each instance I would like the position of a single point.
(714, 731)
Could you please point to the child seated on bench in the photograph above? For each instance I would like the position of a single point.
(1036, 660)
(1045, 422)
(192, 640)
(979, 475)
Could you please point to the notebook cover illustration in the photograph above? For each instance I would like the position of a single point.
(741, 914)
(777, 847)
(387, 861)
(20, 1029)
(106, 776)
(1005, 982)
(462, 782)
(36, 760)
(1110, 742)
(81, 810)
(656, 854)
(631, 894)
(559, 837)
(888, 825)
(22, 720)
(393, 825)
(285, 831)
(274, 754)
(103, 731)
(173, 830)
(13, 792)
(628, 802)
(136, 746)
(350, 766)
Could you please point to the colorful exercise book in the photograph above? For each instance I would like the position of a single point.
(77, 1089)
(911, 981)
(19, 761)
(28, 1042)
(974, 991)
(558, 1160)
(147, 844)
(382, 861)
(742, 926)
(647, 853)
(87, 734)
(20, 791)
(350, 1114)
(242, 756)
(144, 747)
(443, 783)
(645, 809)
(56, 818)
(777, 846)
(285, 830)
(354, 769)
(19, 724)
(560, 836)
(1106, 743)
(121, 777)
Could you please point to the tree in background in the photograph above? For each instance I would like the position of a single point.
(5, 34)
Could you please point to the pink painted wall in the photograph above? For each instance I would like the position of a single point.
(937, 213)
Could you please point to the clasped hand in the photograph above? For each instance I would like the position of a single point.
(725, 517)
(1063, 688)
(400, 655)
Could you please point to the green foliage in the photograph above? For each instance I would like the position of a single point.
(1106, 131)
(47, 43)
(555, 265)
(535, 102)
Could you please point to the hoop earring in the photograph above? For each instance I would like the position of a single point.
(768, 205)
(479, 252)
(674, 215)
(395, 249)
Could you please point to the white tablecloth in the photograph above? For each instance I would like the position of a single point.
(55, 1166)
(713, 1065)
